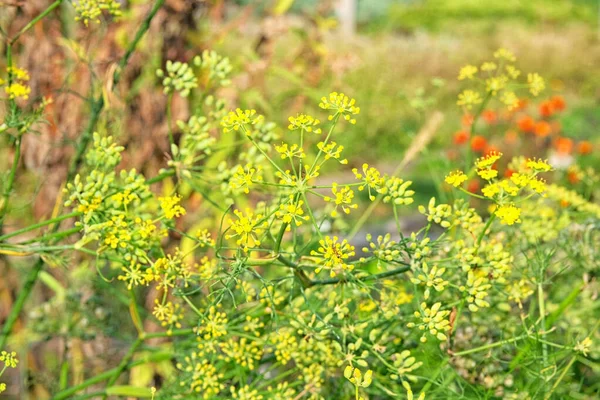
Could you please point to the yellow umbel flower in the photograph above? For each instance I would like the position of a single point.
(432, 320)
(333, 255)
(233, 121)
(247, 228)
(371, 178)
(90, 10)
(292, 212)
(304, 122)
(341, 105)
(170, 206)
(488, 161)
(487, 174)
(508, 214)
(342, 197)
(468, 98)
(9, 359)
(467, 72)
(536, 84)
(538, 165)
(504, 54)
(455, 178)
(16, 90)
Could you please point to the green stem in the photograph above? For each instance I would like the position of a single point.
(11, 180)
(489, 346)
(39, 225)
(36, 20)
(68, 393)
(542, 307)
(485, 228)
(18, 305)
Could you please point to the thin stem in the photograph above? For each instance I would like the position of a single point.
(11, 180)
(39, 225)
(18, 305)
(68, 393)
(489, 346)
(36, 20)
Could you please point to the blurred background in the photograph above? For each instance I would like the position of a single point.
(399, 59)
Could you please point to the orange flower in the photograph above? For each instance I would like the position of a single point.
(542, 128)
(558, 103)
(489, 116)
(563, 145)
(508, 172)
(467, 120)
(585, 147)
(526, 124)
(478, 143)
(511, 137)
(573, 178)
(461, 137)
(473, 186)
(546, 109)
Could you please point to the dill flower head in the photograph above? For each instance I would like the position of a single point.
(508, 214)
(247, 228)
(342, 197)
(90, 10)
(536, 84)
(18, 87)
(455, 178)
(170, 206)
(504, 54)
(341, 105)
(488, 161)
(239, 119)
(304, 122)
(468, 98)
(467, 72)
(333, 255)
(371, 178)
(538, 165)
(9, 359)
(179, 77)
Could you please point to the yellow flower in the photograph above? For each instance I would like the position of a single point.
(487, 174)
(456, 178)
(495, 84)
(490, 190)
(510, 99)
(341, 105)
(538, 165)
(512, 71)
(16, 90)
(342, 197)
(292, 212)
(9, 359)
(304, 122)
(536, 83)
(18, 73)
(469, 98)
(502, 53)
(488, 161)
(488, 66)
(333, 255)
(467, 72)
(247, 228)
(170, 206)
(239, 119)
(508, 214)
